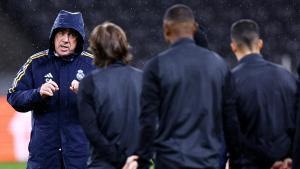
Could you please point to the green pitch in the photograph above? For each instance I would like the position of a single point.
(12, 165)
(22, 166)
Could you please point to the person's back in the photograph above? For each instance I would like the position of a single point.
(115, 92)
(108, 99)
(296, 145)
(266, 106)
(182, 87)
(265, 99)
(117, 99)
(190, 117)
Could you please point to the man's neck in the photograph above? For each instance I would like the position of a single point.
(241, 54)
(60, 56)
(176, 38)
(65, 58)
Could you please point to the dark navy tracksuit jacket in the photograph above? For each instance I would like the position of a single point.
(265, 96)
(181, 113)
(296, 147)
(108, 102)
(56, 133)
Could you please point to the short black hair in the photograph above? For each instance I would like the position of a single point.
(179, 13)
(245, 32)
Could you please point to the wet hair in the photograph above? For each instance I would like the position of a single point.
(108, 43)
(179, 13)
(245, 32)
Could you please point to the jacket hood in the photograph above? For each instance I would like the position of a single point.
(72, 20)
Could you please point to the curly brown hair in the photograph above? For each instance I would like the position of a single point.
(108, 43)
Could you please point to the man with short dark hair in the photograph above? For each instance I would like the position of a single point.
(181, 116)
(265, 96)
(47, 86)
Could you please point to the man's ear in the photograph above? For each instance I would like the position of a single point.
(233, 46)
(195, 27)
(167, 31)
(260, 44)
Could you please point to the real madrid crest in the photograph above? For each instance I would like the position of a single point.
(80, 75)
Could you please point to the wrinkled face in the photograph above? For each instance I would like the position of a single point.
(65, 42)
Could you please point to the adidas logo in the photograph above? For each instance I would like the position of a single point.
(49, 75)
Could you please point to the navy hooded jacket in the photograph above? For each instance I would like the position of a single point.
(55, 123)
(181, 113)
(265, 96)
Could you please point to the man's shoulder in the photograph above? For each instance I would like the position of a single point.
(165, 54)
(238, 68)
(205, 54)
(276, 66)
(211, 58)
(136, 72)
(152, 62)
(280, 68)
(134, 69)
(39, 55)
(86, 58)
(273, 67)
(217, 58)
(87, 55)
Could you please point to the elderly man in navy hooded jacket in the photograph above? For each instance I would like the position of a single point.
(47, 85)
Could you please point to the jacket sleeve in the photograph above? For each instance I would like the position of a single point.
(88, 120)
(22, 96)
(236, 141)
(296, 144)
(150, 101)
(232, 131)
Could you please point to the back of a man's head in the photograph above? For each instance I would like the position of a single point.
(179, 21)
(179, 13)
(245, 32)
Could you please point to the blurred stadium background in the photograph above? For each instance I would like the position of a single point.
(25, 27)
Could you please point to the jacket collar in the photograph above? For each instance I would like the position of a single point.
(117, 63)
(183, 41)
(254, 57)
(70, 58)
